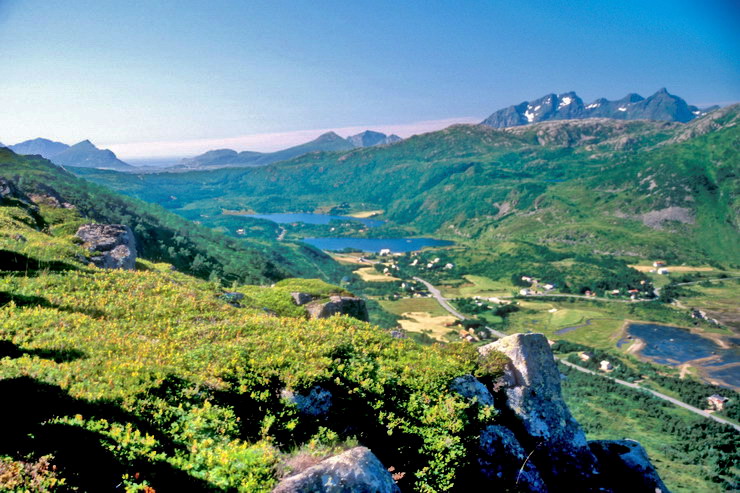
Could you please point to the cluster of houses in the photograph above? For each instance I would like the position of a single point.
(537, 286)
(434, 264)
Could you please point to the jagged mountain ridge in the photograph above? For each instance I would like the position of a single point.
(327, 142)
(661, 106)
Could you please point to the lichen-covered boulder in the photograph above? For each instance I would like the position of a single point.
(625, 462)
(113, 245)
(469, 387)
(505, 463)
(339, 305)
(354, 471)
(533, 395)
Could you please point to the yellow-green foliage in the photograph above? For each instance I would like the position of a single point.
(278, 298)
(169, 373)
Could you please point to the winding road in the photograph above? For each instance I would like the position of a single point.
(444, 304)
(670, 399)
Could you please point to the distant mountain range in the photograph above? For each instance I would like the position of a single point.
(568, 106)
(329, 141)
(83, 154)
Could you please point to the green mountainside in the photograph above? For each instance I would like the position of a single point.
(166, 237)
(156, 380)
(631, 189)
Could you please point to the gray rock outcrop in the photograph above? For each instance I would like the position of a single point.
(533, 397)
(113, 245)
(317, 402)
(339, 305)
(626, 462)
(301, 299)
(354, 471)
(469, 387)
(9, 193)
(503, 460)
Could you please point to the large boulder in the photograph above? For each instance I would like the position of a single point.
(533, 395)
(505, 463)
(339, 305)
(626, 467)
(113, 245)
(354, 471)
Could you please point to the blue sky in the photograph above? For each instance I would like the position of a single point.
(173, 77)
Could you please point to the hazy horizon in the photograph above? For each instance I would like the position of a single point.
(158, 79)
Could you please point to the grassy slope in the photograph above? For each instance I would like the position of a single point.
(148, 377)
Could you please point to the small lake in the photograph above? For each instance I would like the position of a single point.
(306, 218)
(395, 245)
(669, 345)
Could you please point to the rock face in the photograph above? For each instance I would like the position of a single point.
(626, 462)
(533, 397)
(568, 106)
(369, 138)
(113, 244)
(503, 460)
(469, 387)
(339, 305)
(301, 299)
(9, 193)
(316, 403)
(354, 471)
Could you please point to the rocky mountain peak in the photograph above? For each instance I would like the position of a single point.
(661, 106)
(370, 138)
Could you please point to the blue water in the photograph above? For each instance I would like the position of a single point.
(396, 245)
(673, 345)
(302, 217)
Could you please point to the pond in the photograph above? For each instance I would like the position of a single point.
(306, 218)
(669, 345)
(395, 245)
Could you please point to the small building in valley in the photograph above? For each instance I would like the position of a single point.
(717, 402)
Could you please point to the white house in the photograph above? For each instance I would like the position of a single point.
(663, 271)
(605, 366)
(385, 251)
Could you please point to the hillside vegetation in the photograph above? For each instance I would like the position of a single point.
(165, 237)
(152, 377)
(631, 189)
